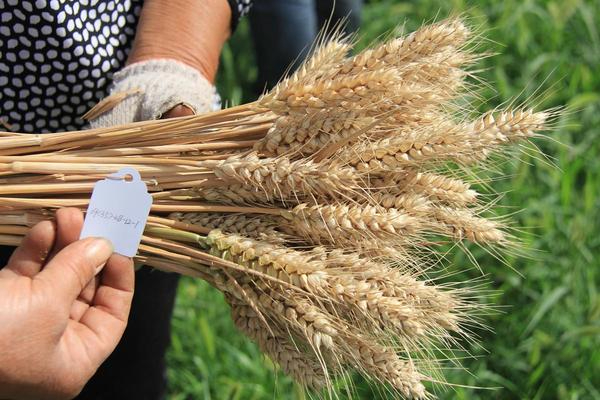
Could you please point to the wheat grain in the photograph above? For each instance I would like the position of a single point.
(231, 194)
(436, 187)
(304, 136)
(385, 365)
(464, 143)
(344, 282)
(355, 350)
(464, 224)
(251, 226)
(272, 340)
(430, 39)
(437, 308)
(287, 265)
(362, 90)
(322, 61)
(283, 179)
(344, 224)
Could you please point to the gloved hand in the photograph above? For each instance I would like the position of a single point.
(154, 89)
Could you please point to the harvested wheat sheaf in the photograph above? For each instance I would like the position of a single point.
(317, 210)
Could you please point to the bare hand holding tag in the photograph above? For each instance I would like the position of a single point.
(64, 322)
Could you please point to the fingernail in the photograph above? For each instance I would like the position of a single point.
(99, 268)
(98, 245)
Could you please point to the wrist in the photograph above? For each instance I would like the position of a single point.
(192, 33)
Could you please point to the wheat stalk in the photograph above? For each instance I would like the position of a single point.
(317, 210)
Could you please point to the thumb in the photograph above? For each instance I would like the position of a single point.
(68, 273)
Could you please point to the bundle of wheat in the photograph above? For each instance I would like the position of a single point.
(314, 209)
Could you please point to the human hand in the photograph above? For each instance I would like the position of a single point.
(154, 89)
(178, 111)
(59, 317)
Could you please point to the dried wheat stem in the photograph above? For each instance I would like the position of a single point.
(24, 219)
(170, 265)
(70, 168)
(66, 159)
(165, 149)
(188, 206)
(13, 230)
(10, 240)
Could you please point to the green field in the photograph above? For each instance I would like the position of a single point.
(544, 342)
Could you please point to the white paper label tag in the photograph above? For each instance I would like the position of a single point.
(118, 211)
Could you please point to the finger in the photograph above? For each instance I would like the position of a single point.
(108, 314)
(69, 222)
(180, 110)
(83, 302)
(70, 271)
(116, 287)
(29, 257)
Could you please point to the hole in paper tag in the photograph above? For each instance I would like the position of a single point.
(118, 211)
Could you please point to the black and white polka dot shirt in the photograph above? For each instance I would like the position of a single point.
(57, 58)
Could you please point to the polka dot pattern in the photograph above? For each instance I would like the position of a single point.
(239, 8)
(57, 57)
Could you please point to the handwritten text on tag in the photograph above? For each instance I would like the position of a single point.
(118, 211)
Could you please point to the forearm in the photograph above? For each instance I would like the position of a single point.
(192, 32)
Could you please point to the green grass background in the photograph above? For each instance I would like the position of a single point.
(545, 341)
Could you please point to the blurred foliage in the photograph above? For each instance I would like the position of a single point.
(545, 341)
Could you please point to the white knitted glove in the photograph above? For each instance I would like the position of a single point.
(148, 89)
